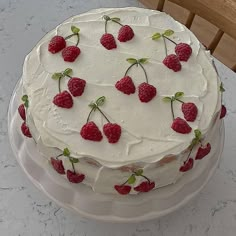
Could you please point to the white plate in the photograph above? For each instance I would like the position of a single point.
(110, 208)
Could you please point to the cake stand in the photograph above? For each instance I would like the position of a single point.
(109, 208)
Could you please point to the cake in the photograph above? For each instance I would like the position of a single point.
(122, 100)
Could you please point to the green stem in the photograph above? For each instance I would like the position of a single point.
(136, 63)
(78, 38)
(106, 26)
(190, 152)
(126, 181)
(145, 73)
(179, 100)
(103, 114)
(146, 178)
(117, 22)
(93, 109)
(165, 45)
(73, 166)
(69, 36)
(172, 109)
(59, 156)
(169, 39)
(59, 84)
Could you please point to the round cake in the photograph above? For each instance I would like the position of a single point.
(122, 100)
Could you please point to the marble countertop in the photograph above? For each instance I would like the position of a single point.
(25, 211)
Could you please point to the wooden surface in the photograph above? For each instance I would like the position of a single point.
(203, 29)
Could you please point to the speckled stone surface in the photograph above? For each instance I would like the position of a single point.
(25, 211)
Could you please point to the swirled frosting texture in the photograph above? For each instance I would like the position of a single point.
(146, 128)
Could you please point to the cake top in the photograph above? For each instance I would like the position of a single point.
(146, 133)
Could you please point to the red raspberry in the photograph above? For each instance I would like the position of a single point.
(56, 44)
(146, 92)
(70, 53)
(108, 41)
(125, 33)
(58, 166)
(25, 130)
(76, 86)
(223, 112)
(112, 132)
(203, 151)
(190, 111)
(183, 51)
(125, 85)
(122, 189)
(172, 62)
(63, 100)
(188, 165)
(74, 177)
(181, 126)
(145, 186)
(90, 131)
(21, 110)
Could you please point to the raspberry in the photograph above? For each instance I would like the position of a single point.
(21, 110)
(190, 111)
(74, 177)
(90, 131)
(122, 189)
(146, 92)
(125, 33)
(172, 62)
(145, 186)
(63, 100)
(183, 51)
(125, 85)
(70, 53)
(181, 126)
(223, 112)
(112, 132)
(56, 44)
(58, 166)
(188, 165)
(108, 41)
(76, 86)
(25, 130)
(203, 151)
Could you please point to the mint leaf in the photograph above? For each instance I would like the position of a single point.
(179, 94)
(66, 152)
(198, 134)
(100, 101)
(143, 60)
(131, 179)
(156, 36)
(67, 71)
(73, 160)
(222, 89)
(57, 76)
(166, 99)
(139, 172)
(168, 32)
(74, 29)
(131, 60)
(115, 18)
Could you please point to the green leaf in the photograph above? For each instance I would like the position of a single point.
(179, 94)
(139, 172)
(93, 105)
(166, 99)
(24, 98)
(26, 103)
(105, 17)
(131, 60)
(73, 160)
(67, 71)
(131, 179)
(222, 89)
(100, 101)
(168, 32)
(156, 36)
(66, 152)
(57, 76)
(194, 142)
(115, 18)
(143, 60)
(198, 134)
(75, 29)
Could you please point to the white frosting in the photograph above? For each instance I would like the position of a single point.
(146, 133)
